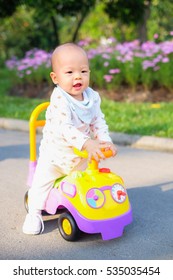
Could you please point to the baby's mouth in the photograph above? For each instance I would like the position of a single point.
(77, 85)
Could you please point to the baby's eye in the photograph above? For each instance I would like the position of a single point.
(69, 72)
(84, 71)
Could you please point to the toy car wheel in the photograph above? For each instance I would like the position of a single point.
(68, 227)
(26, 201)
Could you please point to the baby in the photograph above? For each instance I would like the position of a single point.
(73, 119)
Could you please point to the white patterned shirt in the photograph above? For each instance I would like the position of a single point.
(69, 123)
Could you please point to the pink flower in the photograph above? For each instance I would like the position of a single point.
(156, 36)
(165, 60)
(106, 63)
(114, 71)
(108, 78)
(106, 56)
(148, 64)
(28, 72)
(156, 68)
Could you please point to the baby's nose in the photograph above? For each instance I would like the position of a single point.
(77, 76)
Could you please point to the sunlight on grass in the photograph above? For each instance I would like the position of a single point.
(139, 118)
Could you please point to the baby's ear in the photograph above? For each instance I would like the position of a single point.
(54, 78)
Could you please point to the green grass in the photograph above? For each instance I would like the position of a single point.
(17, 107)
(11, 106)
(138, 118)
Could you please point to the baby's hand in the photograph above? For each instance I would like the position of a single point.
(112, 147)
(93, 147)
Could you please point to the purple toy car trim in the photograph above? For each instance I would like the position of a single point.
(109, 229)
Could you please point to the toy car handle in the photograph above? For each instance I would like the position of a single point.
(84, 154)
(33, 124)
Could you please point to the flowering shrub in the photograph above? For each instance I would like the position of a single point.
(33, 68)
(112, 64)
(131, 63)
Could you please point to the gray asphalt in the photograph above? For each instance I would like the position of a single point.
(149, 180)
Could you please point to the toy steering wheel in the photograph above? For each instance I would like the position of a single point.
(84, 154)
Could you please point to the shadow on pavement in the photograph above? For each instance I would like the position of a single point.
(14, 151)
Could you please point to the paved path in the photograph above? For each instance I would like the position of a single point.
(149, 180)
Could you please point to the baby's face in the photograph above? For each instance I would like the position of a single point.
(71, 71)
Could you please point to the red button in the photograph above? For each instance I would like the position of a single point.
(104, 170)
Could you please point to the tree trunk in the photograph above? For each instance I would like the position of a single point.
(79, 24)
(142, 28)
(56, 40)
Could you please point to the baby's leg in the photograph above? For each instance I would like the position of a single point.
(43, 181)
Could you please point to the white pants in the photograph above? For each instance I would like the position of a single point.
(45, 175)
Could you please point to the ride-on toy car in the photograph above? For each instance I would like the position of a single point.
(92, 201)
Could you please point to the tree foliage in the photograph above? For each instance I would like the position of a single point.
(127, 11)
(55, 8)
(50, 12)
(8, 9)
(131, 11)
(26, 24)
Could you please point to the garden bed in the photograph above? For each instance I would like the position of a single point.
(117, 68)
(123, 94)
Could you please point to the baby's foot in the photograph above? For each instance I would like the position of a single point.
(33, 224)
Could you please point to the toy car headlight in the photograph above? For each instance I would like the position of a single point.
(95, 198)
(118, 193)
(68, 188)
